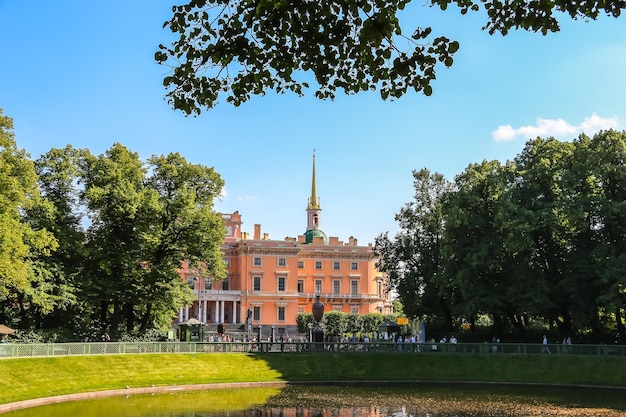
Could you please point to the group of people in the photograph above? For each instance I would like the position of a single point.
(546, 348)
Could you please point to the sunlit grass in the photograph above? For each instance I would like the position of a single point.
(27, 378)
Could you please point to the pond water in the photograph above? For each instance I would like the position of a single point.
(346, 401)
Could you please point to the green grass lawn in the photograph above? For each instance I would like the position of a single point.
(27, 378)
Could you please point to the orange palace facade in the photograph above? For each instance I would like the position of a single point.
(271, 281)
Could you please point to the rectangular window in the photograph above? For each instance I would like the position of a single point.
(282, 262)
(191, 281)
(281, 313)
(256, 261)
(354, 310)
(208, 284)
(256, 313)
(336, 265)
(300, 285)
(354, 287)
(226, 284)
(337, 308)
(336, 286)
(227, 262)
(256, 283)
(318, 264)
(354, 266)
(318, 286)
(281, 283)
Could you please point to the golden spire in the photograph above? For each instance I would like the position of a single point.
(314, 202)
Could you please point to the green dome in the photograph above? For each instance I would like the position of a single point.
(310, 234)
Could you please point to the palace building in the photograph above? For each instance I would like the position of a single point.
(270, 281)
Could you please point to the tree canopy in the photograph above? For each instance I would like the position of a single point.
(534, 241)
(94, 244)
(240, 48)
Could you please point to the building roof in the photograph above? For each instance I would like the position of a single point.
(309, 235)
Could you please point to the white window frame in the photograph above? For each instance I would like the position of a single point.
(281, 279)
(354, 287)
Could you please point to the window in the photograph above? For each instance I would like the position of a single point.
(191, 281)
(379, 288)
(336, 265)
(354, 287)
(337, 308)
(256, 283)
(318, 264)
(354, 310)
(256, 313)
(281, 283)
(281, 313)
(318, 286)
(282, 262)
(300, 264)
(208, 284)
(354, 266)
(256, 261)
(227, 262)
(336, 286)
(300, 285)
(226, 284)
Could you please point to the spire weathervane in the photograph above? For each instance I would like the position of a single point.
(314, 202)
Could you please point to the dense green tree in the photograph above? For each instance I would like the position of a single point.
(58, 173)
(540, 244)
(413, 258)
(180, 223)
(21, 244)
(241, 47)
(354, 323)
(598, 213)
(371, 321)
(335, 323)
(147, 219)
(475, 234)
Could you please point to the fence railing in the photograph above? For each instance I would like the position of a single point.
(20, 350)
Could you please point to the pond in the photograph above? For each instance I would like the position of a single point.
(350, 401)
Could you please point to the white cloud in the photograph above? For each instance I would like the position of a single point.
(558, 128)
(223, 194)
(243, 198)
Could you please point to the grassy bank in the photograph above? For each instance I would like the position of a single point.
(42, 377)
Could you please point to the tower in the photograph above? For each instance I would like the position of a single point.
(314, 211)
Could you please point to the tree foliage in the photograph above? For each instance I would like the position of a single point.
(94, 243)
(21, 243)
(240, 48)
(535, 241)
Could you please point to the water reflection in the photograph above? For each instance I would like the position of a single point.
(343, 401)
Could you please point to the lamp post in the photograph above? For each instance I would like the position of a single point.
(197, 290)
(273, 334)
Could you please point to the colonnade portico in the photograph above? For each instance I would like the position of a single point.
(218, 305)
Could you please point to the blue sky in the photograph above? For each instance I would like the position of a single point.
(83, 73)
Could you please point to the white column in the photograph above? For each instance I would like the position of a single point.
(205, 306)
(180, 315)
(216, 316)
(234, 311)
(186, 314)
(222, 311)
